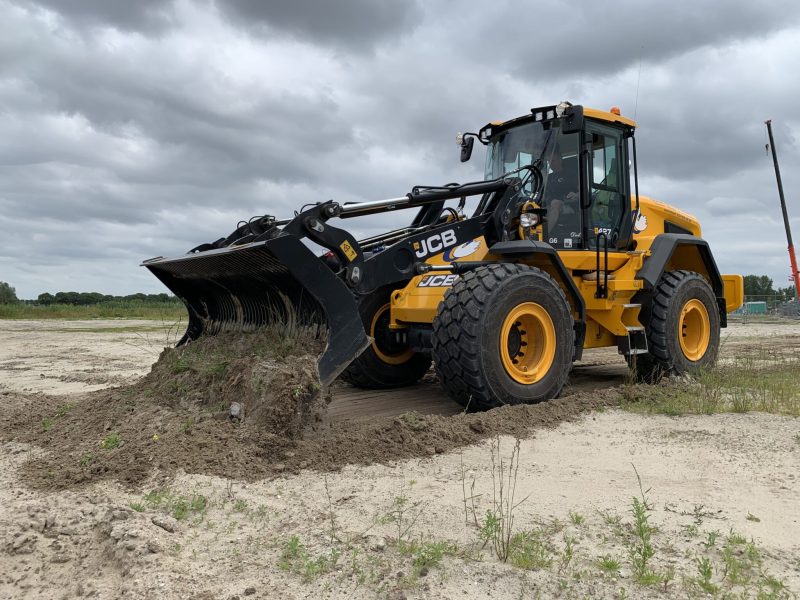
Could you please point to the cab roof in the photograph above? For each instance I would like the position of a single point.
(548, 112)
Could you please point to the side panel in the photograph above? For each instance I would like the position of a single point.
(734, 291)
(657, 217)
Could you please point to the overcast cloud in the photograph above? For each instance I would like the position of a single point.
(138, 129)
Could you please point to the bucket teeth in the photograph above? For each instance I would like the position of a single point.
(274, 282)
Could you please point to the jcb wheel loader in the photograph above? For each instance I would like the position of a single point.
(559, 253)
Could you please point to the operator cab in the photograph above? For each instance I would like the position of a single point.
(583, 157)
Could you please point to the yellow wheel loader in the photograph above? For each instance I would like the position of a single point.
(500, 283)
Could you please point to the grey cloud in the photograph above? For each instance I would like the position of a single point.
(113, 154)
(562, 40)
(357, 24)
(143, 16)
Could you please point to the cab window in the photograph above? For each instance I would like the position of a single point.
(607, 191)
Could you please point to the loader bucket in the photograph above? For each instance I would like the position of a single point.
(279, 281)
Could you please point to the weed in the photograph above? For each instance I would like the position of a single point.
(64, 410)
(775, 585)
(215, 369)
(471, 498)
(331, 513)
(642, 550)
(86, 460)
(490, 528)
(155, 498)
(404, 514)
(430, 554)
(711, 539)
(555, 526)
(111, 441)
(568, 554)
(576, 518)
(752, 553)
(609, 518)
(504, 485)
(137, 506)
(692, 530)
(180, 507)
(736, 570)
(528, 550)
(736, 539)
(187, 425)
(47, 424)
(609, 564)
(296, 559)
(181, 365)
(240, 506)
(184, 506)
(705, 572)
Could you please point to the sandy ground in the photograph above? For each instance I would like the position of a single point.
(710, 480)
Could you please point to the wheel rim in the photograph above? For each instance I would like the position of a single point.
(527, 343)
(694, 329)
(383, 345)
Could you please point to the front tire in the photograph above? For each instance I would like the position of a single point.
(384, 364)
(683, 330)
(503, 335)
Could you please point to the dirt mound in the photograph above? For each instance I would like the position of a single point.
(179, 417)
(212, 406)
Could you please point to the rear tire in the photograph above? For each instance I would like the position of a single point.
(503, 335)
(384, 364)
(683, 330)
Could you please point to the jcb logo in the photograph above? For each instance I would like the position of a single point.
(438, 281)
(435, 243)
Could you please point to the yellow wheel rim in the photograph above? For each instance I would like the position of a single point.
(527, 343)
(380, 321)
(694, 330)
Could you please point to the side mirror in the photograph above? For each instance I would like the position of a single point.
(466, 148)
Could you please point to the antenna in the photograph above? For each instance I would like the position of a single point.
(638, 79)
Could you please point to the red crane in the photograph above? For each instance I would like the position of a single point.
(792, 259)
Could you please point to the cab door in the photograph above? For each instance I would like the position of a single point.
(608, 207)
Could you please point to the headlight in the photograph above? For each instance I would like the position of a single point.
(529, 220)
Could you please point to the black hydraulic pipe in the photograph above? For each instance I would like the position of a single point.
(420, 196)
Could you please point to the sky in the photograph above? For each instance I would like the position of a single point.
(139, 129)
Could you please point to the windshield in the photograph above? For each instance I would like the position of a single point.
(516, 147)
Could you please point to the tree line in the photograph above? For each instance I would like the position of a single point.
(756, 287)
(8, 295)
(761, 287)
(87, 298)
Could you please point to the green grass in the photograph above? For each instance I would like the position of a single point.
(156, 311)
(111, 441)
(179, 506)
(529, 550)
(295, 558)
(609, 564)
(763, 379)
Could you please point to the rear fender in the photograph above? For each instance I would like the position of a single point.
(678, 251)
